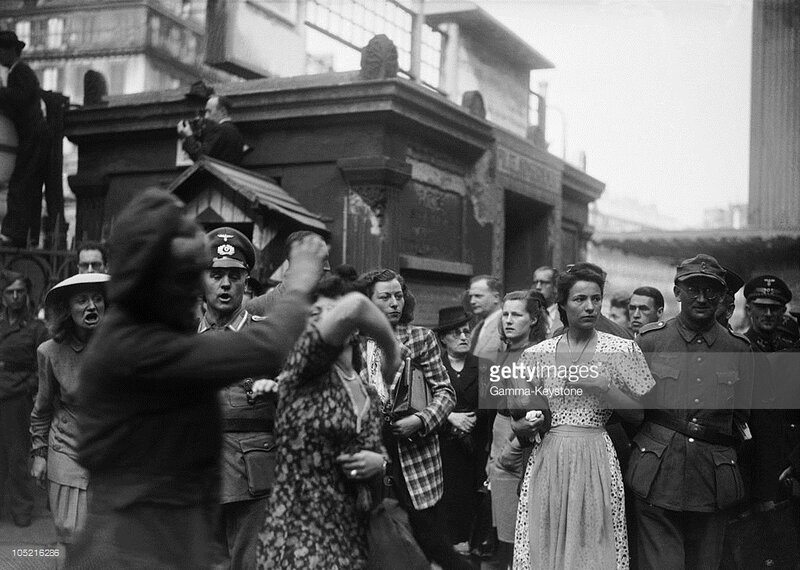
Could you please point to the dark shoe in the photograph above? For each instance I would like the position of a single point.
(486, 550)
(22, 520)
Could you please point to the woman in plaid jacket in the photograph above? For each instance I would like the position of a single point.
(412, 441)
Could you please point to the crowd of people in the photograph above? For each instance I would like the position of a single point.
(178, 421)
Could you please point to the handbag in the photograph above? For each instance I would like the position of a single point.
(391, 541)
(412, 393)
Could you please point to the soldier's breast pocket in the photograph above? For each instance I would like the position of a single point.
(726, 387)
(667, 391)
(259, 453)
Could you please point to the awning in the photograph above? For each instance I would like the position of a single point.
(254, 188)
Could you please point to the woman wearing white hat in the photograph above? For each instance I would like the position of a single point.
(73, 308)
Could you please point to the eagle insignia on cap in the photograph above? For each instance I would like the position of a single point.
(225, 237)
(226, 249)
(769, 281)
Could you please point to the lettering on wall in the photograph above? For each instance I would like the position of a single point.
(527, 170)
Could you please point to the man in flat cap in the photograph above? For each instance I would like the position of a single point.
(152, 442)
(248, 442)
(21, 100)
(683, 470)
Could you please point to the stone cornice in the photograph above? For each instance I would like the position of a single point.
(400, 101)
(580, 186)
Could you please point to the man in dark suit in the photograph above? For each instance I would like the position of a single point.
(21, 100)
(220, 138)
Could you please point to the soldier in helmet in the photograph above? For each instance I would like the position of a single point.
(247, 441)
(683, 470)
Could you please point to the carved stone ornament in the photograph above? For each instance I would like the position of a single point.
(473, 101)
(379, 59)
(370, 200)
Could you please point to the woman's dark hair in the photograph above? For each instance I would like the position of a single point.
(536, 307)
(567, 279)
(340, 281)
(366, 284)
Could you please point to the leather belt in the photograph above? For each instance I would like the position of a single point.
(247, 424)
(690, 429)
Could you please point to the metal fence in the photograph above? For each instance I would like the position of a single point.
(43, 267)
(353, 23)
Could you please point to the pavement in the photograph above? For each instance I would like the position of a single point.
(40, 537)
(34, 540)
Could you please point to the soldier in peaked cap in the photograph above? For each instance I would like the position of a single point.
(761, 457)
(248, 441)
(727, 305)
(683, 470)
(766, 296)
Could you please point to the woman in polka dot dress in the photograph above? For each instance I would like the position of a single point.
(571, 510)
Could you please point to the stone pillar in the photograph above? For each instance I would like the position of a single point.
(372, 217)
(90, 195)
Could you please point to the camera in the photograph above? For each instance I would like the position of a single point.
(198, 125)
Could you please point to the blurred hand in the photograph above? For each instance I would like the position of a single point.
(184, 129)
(39, 470)
(465, 421)
(305, 264)
(264, 386)
(407, 427)
(361, 465)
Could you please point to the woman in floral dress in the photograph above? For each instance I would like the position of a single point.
(571, 510)
(328, 432)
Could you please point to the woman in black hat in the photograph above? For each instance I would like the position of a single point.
(465, 435)
(74, 308)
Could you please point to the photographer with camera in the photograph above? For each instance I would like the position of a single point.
(213, 135)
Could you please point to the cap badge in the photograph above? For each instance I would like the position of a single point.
(225, 237)
(769, 281)
(225, 249)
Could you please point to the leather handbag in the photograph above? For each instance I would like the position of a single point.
(412, 393)
(391, 541)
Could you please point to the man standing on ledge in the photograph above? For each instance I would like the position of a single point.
(151, 436)
(683, 470)
(21, 101)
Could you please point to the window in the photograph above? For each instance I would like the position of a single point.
(50, 79)
(23, 30)
(55, 33)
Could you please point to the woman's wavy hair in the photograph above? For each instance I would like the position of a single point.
(58, 317)
(339, 282)
(568, 278)
(366, 284)
(536, 307)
